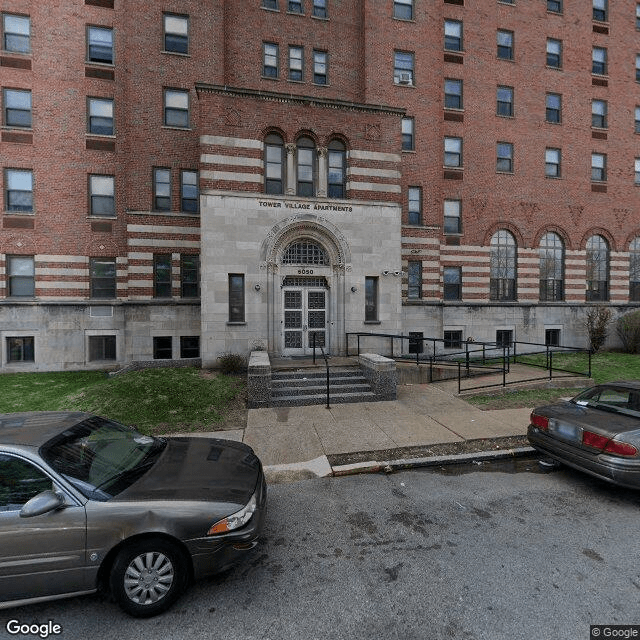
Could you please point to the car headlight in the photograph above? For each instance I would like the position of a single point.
(235, 520)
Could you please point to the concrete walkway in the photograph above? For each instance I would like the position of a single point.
(294, 442)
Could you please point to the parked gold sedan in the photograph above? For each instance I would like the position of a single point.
(88, 503)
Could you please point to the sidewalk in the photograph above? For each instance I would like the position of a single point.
(313, 441)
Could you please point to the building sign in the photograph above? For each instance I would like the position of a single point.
(304, 206)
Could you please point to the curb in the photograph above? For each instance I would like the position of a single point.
(432, 461)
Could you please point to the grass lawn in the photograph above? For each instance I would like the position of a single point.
(605, 367)
(153, 400)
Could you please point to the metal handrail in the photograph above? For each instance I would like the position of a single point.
(326, 362)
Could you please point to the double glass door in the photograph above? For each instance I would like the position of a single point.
(305, 319)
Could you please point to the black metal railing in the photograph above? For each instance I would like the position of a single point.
(326, 362)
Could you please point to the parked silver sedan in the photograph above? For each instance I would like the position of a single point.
(86, 502)
(597, 432)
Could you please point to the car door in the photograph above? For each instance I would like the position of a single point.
(44, 555)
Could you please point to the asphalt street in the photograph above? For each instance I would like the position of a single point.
(411, 555)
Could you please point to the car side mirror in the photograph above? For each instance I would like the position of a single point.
(41, 504)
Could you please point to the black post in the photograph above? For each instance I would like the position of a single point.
(459, 373)
(328, 407)
(550, 365)
(314, 348)
(504, 366)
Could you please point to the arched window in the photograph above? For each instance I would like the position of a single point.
(336, 174)
(274, 164)
(306, 167)
(597, 269)
(551, 267)
(305, 252)
(502, 284)
(634, 270)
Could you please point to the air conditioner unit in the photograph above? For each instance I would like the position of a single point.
(405, 78)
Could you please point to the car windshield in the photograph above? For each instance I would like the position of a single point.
(611, 398)
(100, 457)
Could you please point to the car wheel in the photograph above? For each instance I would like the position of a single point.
(147, 577)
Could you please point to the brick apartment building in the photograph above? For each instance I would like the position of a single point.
(182, 179)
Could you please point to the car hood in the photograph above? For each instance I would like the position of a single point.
(603, 421)
(199, 469)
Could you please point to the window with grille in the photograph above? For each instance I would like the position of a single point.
(305, 252)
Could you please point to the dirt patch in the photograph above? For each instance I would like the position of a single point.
(447, 449)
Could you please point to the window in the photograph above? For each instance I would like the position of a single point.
(552, 163)
(189, 198)
(20, 349)
(637, 16)
(190, 276)
(320, 67)
(504, 338)
(555, 6)
(453, 35)
(236, 297)
(634, 270)
(403, 9)
(162, 348)
(636, 124)
(176, 33)
(452, 94)
(453, 152)
(452, 279)
(502, 266)
(305, 252)
(554, 53)
(176, 108)
(403, 64)
(599, 61)
(306, 167)
(102, 348)
(597, 269)
(270, 59)
(162, 189)
(637, 172)
(17, 108)
(598, 167)
(415, 205)
(189, 346)
(16, 33)
(320, 9)
(274, 164)
(270, 4)
(504, 157)
(100, 45)
(505, 44)
(505, 101)
(552, 337)
(553, 112)
(599, 114)
(102, 196)
(337, 158)
(452, 216)
(600, 10)
(295, 6)
(162, 276)
(370, 299)
(19, 190)
(551, 268)
(452, 339)
(408, 137)
(19, 482)
(414, 277)
(100, 117)
(296, 63)
(21, 276)
(102, 275)
(637, 67)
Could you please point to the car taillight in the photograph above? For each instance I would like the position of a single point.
(606, 445)
(542, 422)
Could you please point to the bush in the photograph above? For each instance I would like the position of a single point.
(597, 321)
(628, 330)
(232, 363)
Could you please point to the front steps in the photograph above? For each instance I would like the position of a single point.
(297, 387)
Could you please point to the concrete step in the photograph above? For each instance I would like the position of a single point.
(338, 398)
(310, 390)
(297, 374)
(301, 382)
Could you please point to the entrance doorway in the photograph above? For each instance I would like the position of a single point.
(305, 315)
